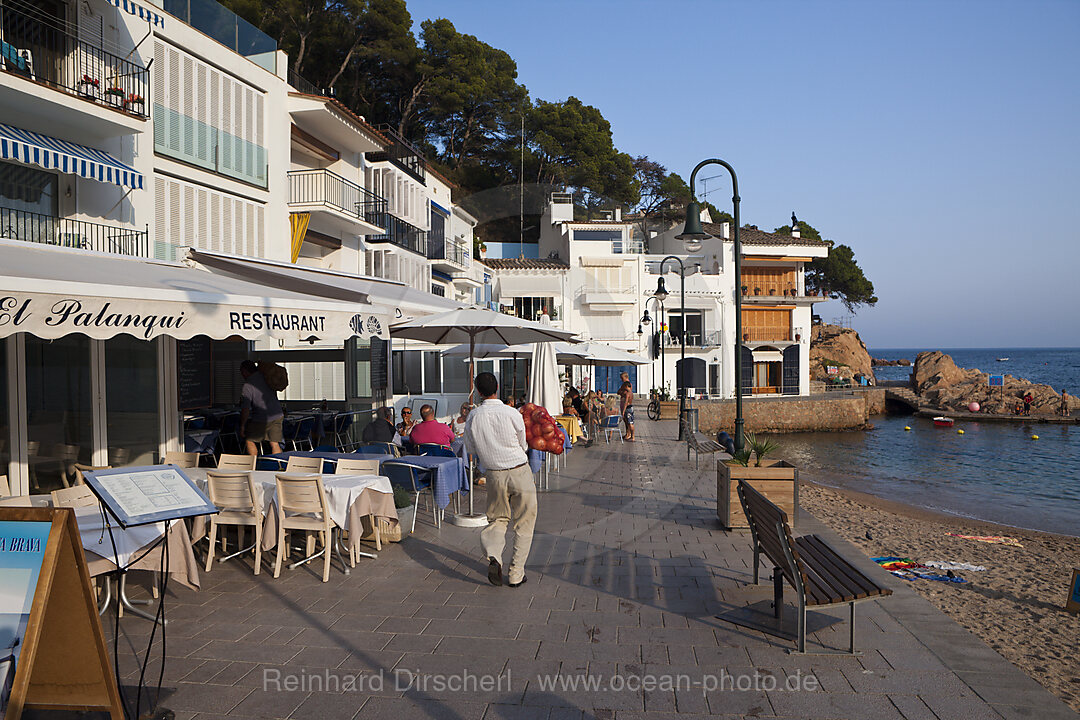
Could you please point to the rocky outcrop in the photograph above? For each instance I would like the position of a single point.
(942, 384)
(840, 347)
(881, 362)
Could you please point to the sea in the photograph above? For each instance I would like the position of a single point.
(995, 471)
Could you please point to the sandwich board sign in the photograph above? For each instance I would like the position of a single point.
(57, 658)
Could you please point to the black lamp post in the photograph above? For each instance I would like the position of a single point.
(692, 235)
(661, 294)
(646, 320)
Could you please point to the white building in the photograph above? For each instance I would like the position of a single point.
(131, 135)
(597, 279)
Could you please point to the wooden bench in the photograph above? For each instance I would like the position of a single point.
(820, 576)
(700, 443)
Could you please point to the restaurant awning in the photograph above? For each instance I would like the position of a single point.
(393, 299)
(50, 292)
(50, 153)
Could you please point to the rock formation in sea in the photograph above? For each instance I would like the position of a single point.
(840, 347)
(881, 362)
(940, 383)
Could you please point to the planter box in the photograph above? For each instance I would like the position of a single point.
(778, 480)
(669, 409)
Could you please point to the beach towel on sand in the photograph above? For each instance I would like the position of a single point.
(995, 539)
(907, 569)
(946, 565)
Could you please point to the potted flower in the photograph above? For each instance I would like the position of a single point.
(89, 87)
(133, 102)
(778, 480)
(115, 95)
(757, 291)
(745, 288)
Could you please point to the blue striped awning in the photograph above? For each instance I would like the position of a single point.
(67, 157)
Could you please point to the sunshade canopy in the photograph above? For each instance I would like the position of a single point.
(604, 355)
(50, 292)
(477, 326)
(33, 148)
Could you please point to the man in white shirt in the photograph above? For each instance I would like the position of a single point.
(495, 433)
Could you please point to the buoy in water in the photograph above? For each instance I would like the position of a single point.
(907, 427)
(1034, 437)
(959, 432)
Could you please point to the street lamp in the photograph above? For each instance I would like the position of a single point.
(692, 235)
(646, 320)
(662, 294)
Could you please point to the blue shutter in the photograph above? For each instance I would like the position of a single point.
(791, 370)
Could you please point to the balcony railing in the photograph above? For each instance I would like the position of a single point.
(322, 187)
(768, 333)
(451, 250)
(35, 46)
(694, 339)
(48, 230)
(398, 232)
(302, 84)
(401, 153)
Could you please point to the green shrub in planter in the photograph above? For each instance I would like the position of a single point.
(402, 498)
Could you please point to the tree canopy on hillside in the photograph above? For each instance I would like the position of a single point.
(838, 274)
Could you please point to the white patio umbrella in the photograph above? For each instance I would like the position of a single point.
(544, 387)
(476, 326)
(604, 355)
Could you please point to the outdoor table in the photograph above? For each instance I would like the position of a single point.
(349, 497)
(200, 441)
(131, 545)
(324, 423)
(572, 425)
(447, 473)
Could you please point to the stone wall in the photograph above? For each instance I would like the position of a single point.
(847, 411)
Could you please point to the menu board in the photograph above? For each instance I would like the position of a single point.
(194, 373)
(380, 379)
(144, 495)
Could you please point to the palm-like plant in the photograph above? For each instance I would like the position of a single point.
(760, 447)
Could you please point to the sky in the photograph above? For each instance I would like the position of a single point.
(940, 140)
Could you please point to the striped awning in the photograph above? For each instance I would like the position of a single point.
(66, 157)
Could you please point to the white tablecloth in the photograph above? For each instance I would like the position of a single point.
(95, 537)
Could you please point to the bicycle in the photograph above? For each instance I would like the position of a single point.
(654, 409)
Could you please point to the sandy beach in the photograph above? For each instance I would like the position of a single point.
(1016, 605)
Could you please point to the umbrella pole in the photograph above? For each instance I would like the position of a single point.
(472, 519)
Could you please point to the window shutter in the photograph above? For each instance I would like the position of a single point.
(791, 370)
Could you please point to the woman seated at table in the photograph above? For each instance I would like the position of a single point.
(568, 407)
(430, 430)
(458, 425)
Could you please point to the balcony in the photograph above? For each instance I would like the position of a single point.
(447, 255)
(610, 299)
(398, 232)
(341, 204)
(401, 154)
(768, 333)
(694, 340)
(40, 50)
(63, 232)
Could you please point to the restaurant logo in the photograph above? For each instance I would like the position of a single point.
(374, 326)
(357, 324)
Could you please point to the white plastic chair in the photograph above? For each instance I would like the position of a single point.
(235, 495)
(301, 505)
(236, 462)
(299, 464)
(350, 466)
(181, 459)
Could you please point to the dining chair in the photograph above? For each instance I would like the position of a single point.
(74, 497)
(379, 448)
(435, 450)
(343, 423)
(610, 424)
(230, 430)
(181, 459)
(351, 466)
(408, 477)
(236, 462)
(80, 469)
(16, 501)
(301, 505)
(235, 496)
(299, 464)
(298, 431)
(5, 488)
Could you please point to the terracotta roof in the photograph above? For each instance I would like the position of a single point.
(753, 236)
(524, 264)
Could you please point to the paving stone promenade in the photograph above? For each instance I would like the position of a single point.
(628, 569)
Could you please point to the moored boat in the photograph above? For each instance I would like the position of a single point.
(942, 421)
(1004, 359)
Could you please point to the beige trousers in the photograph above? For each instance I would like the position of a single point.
(511, 503)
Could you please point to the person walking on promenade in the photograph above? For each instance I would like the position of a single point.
(626, 405)
(260, 411)
(495, 433)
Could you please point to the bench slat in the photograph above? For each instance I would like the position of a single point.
(856, 579)
(822, 573)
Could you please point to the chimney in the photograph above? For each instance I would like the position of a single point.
(618, 214)
(725, 230)
(794, 226)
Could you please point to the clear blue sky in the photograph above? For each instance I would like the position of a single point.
(940, 140)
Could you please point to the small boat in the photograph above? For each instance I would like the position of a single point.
(1005, 359)
(942, 421)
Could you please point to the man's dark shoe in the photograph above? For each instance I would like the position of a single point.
(519, 584)
(494, 572)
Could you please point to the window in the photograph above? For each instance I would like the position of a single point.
(26, 189)
(438, 290)
(455, 372)
(408, 378)
(695, 326)
(432, 377)
(511, 383)
(131, 401)
(530, 308)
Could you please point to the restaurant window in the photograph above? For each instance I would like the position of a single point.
(432, 374)
(361, 366)
(514, 378)
(455, 374)
(407, 371)
(60, 428)
(132, 413)
(5, 420)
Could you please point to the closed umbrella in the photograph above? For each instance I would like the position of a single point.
(544, 387)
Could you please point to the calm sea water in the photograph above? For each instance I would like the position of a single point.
(994, 471)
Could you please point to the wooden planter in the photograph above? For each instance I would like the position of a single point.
(778, 480)
(669, 409)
